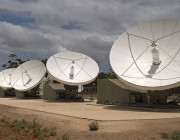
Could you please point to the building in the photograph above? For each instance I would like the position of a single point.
(53, 91)
(113, 91)
(1, 92)
(57, 91)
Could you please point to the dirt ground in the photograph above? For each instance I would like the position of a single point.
(89, 110)
(78, 129)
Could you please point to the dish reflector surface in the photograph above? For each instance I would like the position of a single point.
(5, 78)
(147, 55)
(28, 75)
(72, 68)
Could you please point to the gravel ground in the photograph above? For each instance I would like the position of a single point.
(89, 110)
(78, 129)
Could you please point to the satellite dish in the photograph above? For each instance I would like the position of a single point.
(72, 68)
(147, 55)
(28, 75)
(5, 78)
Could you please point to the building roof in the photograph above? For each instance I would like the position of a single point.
(124, 86)
(57, 86)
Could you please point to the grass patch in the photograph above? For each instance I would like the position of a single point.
(52, 132)
(94, 126)
(65, 137)
(172, 136)
(13, 138)
(41, 133)
(24, 130)
(18, 125)
(164, 135)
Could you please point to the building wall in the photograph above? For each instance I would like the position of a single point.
(1, 92)
(159, 96)
(19, 94)
(71, 95)
(110, 93)
(146, 98)
(101, 91)
(48, 92)
(139, 97)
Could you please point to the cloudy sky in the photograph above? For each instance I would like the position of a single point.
(37, 29)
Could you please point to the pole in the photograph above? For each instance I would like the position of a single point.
(34, 125)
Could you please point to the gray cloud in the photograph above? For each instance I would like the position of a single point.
(93, 25)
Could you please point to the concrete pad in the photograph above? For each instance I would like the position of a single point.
(89, 110)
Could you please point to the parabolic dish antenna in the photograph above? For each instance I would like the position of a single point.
(5, 78)
(72, 68)
(28, 75)
(147, 55)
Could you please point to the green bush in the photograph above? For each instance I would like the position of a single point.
(174, 136)
(94, 126)
(45, 129)
(13, 138)
(65, 137)
(53, 132)
(3, 120)
(26, 130)
(164, 135)
(38, 131)
(41, 133)
(18, 125)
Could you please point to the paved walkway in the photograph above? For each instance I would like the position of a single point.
(89, 110)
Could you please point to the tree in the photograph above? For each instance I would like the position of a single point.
(112, 75)
(4, 65)
(12, 56)
(13, 63)
(44, 61)
(102, 75)
(109, 75)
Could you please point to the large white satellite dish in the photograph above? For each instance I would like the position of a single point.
(147, 55)
(28, 75)
(72, 68)
(5, 78)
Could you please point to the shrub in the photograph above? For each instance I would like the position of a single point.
(53, 132)
(26, 130)
(174, 136)
(45, 129)
(42, 132)
(13, 138)
(18, 125)
(164, 135)
(65, 137)
(23, 121)
(38, 131)
(94, 126)
(3, 120)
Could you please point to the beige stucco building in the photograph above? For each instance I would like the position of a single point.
(1, 92)
(113, 91)
(53, 91)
